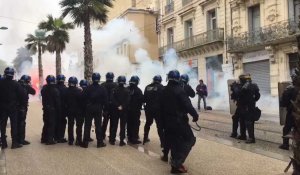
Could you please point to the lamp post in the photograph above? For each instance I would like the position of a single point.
(3, 28)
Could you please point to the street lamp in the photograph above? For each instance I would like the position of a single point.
(3, 28)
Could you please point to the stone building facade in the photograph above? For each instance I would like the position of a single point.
(218, 37)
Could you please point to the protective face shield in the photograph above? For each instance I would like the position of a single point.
(157, 79)
(50, 79)
(26, 79)
(72, 81)
(134, 80)
(184, 78)
(61, 78)
(83, 83)
(96, 77)
(110, 76)
(121, 80)
(9, 72)
(173, 75)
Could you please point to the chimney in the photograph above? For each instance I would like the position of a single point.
(133, 3)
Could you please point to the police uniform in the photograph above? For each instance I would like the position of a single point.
(179, 136)
(51, 101)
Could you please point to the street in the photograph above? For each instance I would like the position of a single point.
(213, 154)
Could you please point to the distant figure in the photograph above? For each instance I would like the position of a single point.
(202, 94)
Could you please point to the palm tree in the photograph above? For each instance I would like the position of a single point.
(37, 43)
(56, 41)
(83, 12)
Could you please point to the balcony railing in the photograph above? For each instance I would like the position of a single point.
(169, 8)
(185, 2)
(196, 41)
(273, 34)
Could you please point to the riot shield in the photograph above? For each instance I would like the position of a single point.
(232, 104)
(282, 110)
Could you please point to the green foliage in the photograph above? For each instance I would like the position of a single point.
(58, 37)
(86, 10)
(37, 40)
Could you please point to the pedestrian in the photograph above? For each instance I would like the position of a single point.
(73, 102)
(289, 95)
(25, 82)
(62, 117)
(96, 98)
(120, 101)
(12, 97)
(202, 94)
(179, 136)
(134, 112)
(184, 79)
(152, 95)
(109, 85)
(249, 95)
(51, 101)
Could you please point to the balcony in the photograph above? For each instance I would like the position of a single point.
(208, 37)
(276, 33)
(169, 8)
(185, 2)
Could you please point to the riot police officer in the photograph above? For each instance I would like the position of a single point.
(184, 79)
(134, 112)
(179, 136)
(62, 119)
(25, 82)
(120, 102)
(51, 101)
(109, 85)
(152, 102)
(73, 100)
(96, 98)
(248, 97)
(12, 96)
(289, 94)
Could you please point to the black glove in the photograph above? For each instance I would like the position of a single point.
(195, 119)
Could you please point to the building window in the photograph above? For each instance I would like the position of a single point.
(169, 7)
(188, 33)
(188, 29)
(294, 10)
(254, 18)
(293, 62)
(212, 20)
(170, 36)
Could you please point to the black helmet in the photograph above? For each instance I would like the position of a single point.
(96, 77)
(26, 78)
(174, 75)
(184, 78)
(244, 78)
(9, 72)
(50, 79)
(157, 79)
(60, 78)
(83, 83)
(121, 79)
(72, 81)
(110, 76)
(134, 80)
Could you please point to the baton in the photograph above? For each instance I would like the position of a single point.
(198, 127)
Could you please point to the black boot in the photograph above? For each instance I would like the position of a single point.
(122, 143)
(101, 144)
(146, 140)
(285, 144)
(4, 144)
(25, 142)
(16, 145)
(85, 144)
